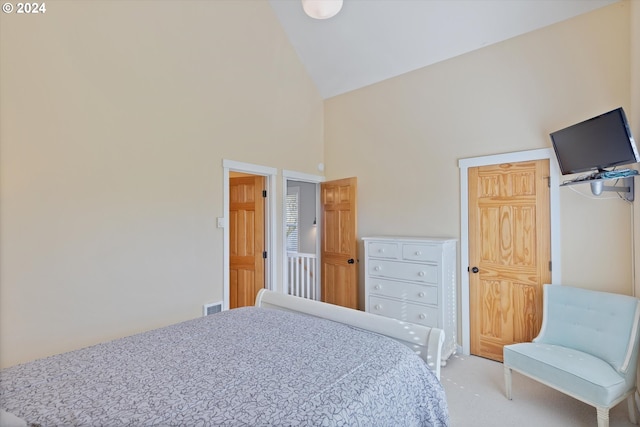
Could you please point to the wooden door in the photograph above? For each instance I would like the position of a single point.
(246, 239)
(509, 245)
(339, 249)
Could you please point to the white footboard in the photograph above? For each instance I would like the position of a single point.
(426, 342)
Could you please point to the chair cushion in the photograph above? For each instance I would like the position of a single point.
(592, 379)
(599, 323)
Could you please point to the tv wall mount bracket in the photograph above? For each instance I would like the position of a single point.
(626, 189)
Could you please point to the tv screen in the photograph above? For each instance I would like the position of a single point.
(601, 142)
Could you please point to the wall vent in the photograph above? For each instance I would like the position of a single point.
(213, 308)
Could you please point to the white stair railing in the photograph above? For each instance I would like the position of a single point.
(302, 275)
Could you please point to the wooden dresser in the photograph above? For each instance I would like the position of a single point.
(413, 279)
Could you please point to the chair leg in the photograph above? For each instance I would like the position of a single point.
(507, 381)
(633, 408)
(603, 417)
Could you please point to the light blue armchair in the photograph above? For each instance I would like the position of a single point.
(587, 348)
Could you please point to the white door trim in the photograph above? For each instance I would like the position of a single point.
(554, 204)
(301, 176)
(270, 217)
(287, 176)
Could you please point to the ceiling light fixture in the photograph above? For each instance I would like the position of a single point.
(321, 9)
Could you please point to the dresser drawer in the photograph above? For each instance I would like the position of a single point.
(405, 311)
(425, 273)
(384, 250)
(417, 252)
(402, 290)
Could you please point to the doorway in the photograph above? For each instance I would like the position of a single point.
(301, 225)
(267, 177)
(336, 244)
(465, 165)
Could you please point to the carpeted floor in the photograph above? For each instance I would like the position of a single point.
(475, 394)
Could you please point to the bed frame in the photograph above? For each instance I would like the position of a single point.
(426, 342)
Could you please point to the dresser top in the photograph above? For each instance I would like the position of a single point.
(410, 238)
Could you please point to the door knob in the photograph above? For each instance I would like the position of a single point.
(475, 270)
(350, 261)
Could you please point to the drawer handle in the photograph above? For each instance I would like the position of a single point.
(418, 253)
(377, 268)
(422, 316)
(378, 307)
(421, 274)
(377, 287)
(421, 294)
(381, 250)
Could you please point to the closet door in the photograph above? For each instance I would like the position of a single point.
(509, 253)
(246, 239)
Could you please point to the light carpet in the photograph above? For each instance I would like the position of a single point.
(475, 394)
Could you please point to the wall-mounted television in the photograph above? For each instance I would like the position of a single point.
(601, 142)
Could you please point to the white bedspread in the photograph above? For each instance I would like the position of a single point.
(243, 367)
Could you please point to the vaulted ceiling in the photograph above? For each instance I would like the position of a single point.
(373, 40)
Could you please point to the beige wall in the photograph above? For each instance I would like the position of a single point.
(403, 137)
(116, 116)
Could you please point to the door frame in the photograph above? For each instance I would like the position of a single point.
(270, 217)
(288, 175)
(554, 206)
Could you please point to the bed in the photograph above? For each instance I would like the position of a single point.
(288, 361)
